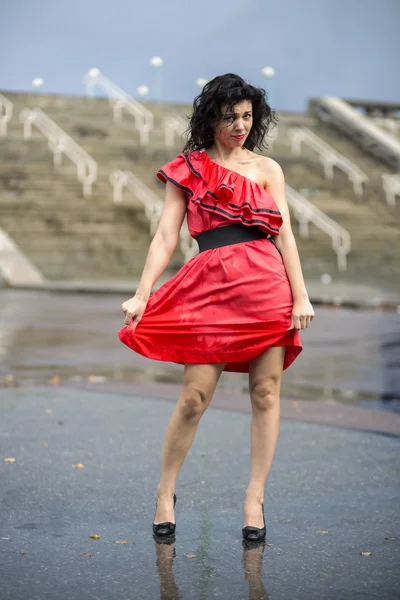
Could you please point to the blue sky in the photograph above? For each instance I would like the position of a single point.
(348, 48)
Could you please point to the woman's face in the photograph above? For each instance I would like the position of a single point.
(235, 124)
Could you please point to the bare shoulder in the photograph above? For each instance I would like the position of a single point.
(271, 169)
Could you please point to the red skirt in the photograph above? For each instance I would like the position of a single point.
(225, 305)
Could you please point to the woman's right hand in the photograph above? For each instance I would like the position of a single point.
(133, 309)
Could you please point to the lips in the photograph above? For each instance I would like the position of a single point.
(239, 137)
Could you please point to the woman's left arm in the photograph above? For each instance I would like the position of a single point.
(303, 312)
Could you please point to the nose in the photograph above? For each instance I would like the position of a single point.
(239, 127)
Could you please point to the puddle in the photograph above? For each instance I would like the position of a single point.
(349, 356)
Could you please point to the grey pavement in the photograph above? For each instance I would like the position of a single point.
(324, 479)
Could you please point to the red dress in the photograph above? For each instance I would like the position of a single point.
(227, 304)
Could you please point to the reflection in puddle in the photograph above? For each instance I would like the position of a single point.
(252, 565)
(165, 552)
(252, 561)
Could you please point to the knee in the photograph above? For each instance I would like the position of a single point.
(193, 403)
(264, 393)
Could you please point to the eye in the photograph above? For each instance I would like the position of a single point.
(228, 118)
(247, 116)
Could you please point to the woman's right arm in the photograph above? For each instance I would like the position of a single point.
(160, 251)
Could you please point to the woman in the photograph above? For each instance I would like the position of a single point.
(236, 306)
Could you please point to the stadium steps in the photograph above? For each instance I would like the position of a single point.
(117, 237)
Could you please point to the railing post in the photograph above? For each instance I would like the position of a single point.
(390, 189)
(297, 138)
(342, 259)
(7, 116)
(328, 166)
(357, 185)
(118, 180)
(390, 196)
(27, 129)
(303, 227)
(87, 187)
(57, 148)
(144, 135)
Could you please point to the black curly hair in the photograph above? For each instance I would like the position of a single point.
(228, 90)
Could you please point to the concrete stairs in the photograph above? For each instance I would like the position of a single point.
(44, 210)
(373, 225)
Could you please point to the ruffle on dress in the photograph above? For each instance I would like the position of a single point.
(219, 190)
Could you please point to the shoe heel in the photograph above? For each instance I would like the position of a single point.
(255, 534)
(165, 529)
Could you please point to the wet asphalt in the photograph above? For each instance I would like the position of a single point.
(332, 494)
(71, 394)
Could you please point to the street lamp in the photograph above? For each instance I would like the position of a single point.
(269, 74)
(156, 63)
(143, 90)
(93, 73)
(201, 82)
(90, 80)
(37, 84)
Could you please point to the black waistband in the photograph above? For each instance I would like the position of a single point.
(230, 234)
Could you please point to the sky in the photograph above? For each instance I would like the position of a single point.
(345, 48)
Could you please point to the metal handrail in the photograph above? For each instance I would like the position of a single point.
(391, 186)
(305, 212)
(329, 157)
(61, 143)
(359, 127)
(173, 125)
(152, 205)
(5, 117)
(144, 119)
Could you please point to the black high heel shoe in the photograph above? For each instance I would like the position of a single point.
(255, 534)
(164, 529)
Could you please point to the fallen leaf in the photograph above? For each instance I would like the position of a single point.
(9, 378)
(55, 380)
(78, 466)
(322, 531)
(95, 536)
(88, 554)
(60, 422)
(49, 411)
(10, 460)
(269, 544)
(121, 542)
(44, 444)
(390, 538)
(366, 553)
(22, 552)
(190, 555)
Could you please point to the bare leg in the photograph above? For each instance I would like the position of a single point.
(198, 388)
(264, 380)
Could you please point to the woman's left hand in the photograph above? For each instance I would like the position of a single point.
(302, 314)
